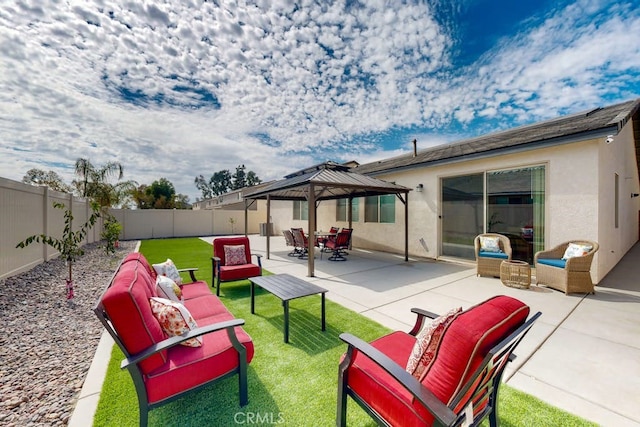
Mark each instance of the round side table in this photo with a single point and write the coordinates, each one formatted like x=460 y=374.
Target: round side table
x=515 y=274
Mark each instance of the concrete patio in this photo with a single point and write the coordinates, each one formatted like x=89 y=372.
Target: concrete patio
x=582 y=355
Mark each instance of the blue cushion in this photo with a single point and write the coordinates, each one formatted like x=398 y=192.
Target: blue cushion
x=487 y=254
x=554 y=262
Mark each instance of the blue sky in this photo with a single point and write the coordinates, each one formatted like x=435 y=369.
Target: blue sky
x=180 y=88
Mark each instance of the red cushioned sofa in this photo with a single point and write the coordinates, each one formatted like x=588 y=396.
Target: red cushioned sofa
x=460 y=387
x=222 y=271
x=161 y=369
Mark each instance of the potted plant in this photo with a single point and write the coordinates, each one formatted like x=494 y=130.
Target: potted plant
x=69 y=245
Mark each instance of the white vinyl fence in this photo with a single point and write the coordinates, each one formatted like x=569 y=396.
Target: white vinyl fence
x=26 y=210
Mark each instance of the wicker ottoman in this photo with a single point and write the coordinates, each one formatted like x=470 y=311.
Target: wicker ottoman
x=515 y=274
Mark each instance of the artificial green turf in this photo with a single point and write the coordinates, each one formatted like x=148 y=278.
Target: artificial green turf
x=289 y=384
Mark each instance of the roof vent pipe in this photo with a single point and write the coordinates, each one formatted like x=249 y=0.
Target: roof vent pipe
x=415 y=147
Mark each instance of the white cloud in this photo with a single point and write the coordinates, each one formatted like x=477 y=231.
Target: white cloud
x=180 y=88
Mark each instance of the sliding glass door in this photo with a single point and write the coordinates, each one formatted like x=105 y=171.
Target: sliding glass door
x=515 y=208
x=462 y=214
x=509 y=202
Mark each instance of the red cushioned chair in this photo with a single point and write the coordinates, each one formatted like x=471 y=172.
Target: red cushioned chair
x=302 y=242
x=339 y=245
x=223 y=272
x=461 y=384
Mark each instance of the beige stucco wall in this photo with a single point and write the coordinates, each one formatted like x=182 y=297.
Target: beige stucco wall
x=579 y=200
x=617 y=157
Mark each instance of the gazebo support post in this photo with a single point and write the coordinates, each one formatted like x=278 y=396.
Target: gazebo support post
x=406 y=228
x=311 y=202
x=268 y=234
x=246 y=217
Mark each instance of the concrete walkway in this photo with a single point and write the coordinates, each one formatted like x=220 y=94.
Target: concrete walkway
x=582 y=355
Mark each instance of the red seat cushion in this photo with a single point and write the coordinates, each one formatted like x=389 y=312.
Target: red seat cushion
x=379 y=389
x=189 y=367
x=206 y=306
x=237 y=272
x=195 y=289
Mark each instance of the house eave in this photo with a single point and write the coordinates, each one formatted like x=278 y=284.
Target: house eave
x=521 y=148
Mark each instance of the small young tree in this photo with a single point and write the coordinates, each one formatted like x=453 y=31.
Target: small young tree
x=69 y=245
x=111 y=233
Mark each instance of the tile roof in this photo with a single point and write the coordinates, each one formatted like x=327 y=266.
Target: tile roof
x=572 y=128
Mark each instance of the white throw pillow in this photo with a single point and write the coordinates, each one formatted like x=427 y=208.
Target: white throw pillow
x=490 y=244
x=575 y=250
x=167 y=288
x=169 y=269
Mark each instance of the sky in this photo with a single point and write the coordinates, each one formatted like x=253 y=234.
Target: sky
x=179 y=88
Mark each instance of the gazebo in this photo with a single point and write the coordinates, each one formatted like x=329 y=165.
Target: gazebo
x=327 y=181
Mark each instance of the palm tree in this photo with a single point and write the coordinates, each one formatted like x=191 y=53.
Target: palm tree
x=92 y=182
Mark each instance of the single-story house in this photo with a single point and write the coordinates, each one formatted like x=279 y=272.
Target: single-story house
x=574 y=177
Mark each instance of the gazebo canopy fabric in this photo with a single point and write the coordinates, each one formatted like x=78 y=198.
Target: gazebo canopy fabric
x=327 y=181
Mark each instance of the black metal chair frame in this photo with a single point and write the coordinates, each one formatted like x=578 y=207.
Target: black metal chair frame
x=487 y=376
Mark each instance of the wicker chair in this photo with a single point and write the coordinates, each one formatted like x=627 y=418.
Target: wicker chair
x=571 y=276
x=488 y=264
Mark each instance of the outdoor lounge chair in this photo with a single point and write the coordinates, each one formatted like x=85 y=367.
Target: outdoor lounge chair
x=571 y=274
x=491 y=249
x=458 y=386
x=231 y=260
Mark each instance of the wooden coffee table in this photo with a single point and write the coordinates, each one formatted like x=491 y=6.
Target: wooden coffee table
x=287 y=287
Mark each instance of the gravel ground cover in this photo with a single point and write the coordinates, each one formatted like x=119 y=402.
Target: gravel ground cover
x=47 y=343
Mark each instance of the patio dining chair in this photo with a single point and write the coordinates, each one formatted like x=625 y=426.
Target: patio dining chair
x=339 y=246
x=333 y=232
x=302 y=243
x=290 y=241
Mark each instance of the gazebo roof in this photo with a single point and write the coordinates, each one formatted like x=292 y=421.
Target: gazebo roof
x=330 y=180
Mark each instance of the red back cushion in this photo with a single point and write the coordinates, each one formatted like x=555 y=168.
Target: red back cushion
x=467 y=341
x=221 y=242
x=137 y=256
x=127 y=305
